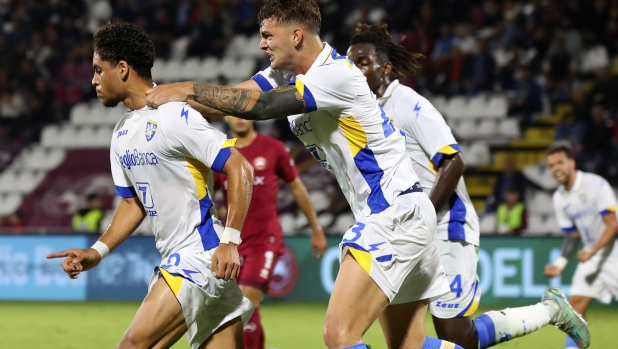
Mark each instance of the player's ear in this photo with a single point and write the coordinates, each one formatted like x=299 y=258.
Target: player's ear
x=387 y=69
x=298 y=38
x=123 y=70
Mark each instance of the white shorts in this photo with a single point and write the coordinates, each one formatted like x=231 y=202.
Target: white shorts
x=207 y=302
x=459 y=259
x=395 y=247
x=598 y=277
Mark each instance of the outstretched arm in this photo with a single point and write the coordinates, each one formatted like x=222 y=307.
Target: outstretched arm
x=244 y=103
x=127 y=217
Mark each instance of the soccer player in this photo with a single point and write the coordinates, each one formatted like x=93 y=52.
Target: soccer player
x=262 y=235
x=390 y=268
x=440 y=166
x=585 y=208
x=160 y=162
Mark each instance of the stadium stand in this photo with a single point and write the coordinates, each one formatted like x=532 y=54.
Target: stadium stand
x=475 y=74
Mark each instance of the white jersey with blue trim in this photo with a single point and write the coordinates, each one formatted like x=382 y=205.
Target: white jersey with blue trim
x=163 y=156
x=429 y=139
x=347 y=131
x=582 y=208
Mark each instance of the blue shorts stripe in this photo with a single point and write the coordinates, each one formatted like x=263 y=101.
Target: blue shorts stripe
x=476 y=289
x=125 y=192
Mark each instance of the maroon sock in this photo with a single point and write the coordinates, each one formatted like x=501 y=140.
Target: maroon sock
x=253 y=332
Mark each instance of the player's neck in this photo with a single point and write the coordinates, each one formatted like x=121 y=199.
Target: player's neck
x=243 y=141
x=386 y=82
x=571 y=182
x=136 y=96
x=312 y=49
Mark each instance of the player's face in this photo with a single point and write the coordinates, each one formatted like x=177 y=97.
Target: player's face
x=239 y=126
x=365 y=58
x=277 y=42
x=106 y=82
x=561 y=167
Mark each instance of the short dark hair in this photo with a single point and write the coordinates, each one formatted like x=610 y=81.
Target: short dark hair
x=92 y=196
x=115 y=42
x=404 y=62
x=560 y=147
x=304 y=12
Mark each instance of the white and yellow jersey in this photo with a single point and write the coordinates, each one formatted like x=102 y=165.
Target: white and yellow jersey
x=582 y=208
x=163 y=157
x=429 y=139
x=347 y=131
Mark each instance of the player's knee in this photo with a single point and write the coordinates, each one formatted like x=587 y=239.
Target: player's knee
x=460 y=332
x=131 y=342
x=337 y=336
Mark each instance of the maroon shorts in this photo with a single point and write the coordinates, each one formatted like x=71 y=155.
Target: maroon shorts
x=257 y=267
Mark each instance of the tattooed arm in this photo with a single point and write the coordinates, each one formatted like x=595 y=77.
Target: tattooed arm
x=250 y=104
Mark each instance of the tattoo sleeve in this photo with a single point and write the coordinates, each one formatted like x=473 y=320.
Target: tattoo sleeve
x=249 y=104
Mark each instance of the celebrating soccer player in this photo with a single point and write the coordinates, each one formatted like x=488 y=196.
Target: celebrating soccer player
x=160 y=162
x=440 y=167
x=390 y=268
x=262 y=236
x=585 y=208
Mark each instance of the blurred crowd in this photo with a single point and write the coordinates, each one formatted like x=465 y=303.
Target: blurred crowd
x=549 y=56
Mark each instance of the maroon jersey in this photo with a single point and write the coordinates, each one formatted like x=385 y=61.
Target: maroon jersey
x=271 y=162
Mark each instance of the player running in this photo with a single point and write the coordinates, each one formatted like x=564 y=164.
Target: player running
x=585 y=208
x=160 y=162
x=440 y=167
x=390 y=268
x=262 y=235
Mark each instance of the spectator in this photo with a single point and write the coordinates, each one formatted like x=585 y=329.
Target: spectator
x=573 y=125
x=510 y=178
x=597 y=142
x=444 y=45
x=161 y=33
x=483 y=68
x=604 y=92
x=88 y=220
x=464 y=41
x=511 y=217
x=525 y=99
x=559 y=70
x=595 y=55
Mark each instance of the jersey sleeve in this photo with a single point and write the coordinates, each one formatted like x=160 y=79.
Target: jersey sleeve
x=121 y=182
x=605 y=201
x=566 y=224
x=269 y=78
x=191 y=135
x=286 y=169
x=330 y=86
x=429 y=128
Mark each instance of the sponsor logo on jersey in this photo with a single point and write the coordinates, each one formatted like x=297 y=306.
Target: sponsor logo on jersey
x=446 y=305
x=301 y=128
x=319 y=154
x=259 y=163
x=122 y=133
x=129 y=160
x=151 y=129
x=285 y=275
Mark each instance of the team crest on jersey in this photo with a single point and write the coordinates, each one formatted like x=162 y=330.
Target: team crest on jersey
x=259 y=163
x=151 y=129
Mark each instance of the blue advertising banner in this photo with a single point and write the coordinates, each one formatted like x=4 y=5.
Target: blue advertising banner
x=25 y=273
x=124 y=274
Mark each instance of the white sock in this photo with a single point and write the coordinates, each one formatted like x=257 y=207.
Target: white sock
x=511 y=323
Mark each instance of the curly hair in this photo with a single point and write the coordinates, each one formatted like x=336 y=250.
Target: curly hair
x=304 y=12
x=404 y=62
x=115 y=42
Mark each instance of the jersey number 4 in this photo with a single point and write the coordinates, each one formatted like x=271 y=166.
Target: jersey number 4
x=456 y=285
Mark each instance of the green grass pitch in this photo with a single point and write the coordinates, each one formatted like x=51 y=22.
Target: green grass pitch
x=96 y=325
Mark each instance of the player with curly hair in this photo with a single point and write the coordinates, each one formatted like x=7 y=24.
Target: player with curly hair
x=440 y=166
x=161 y=159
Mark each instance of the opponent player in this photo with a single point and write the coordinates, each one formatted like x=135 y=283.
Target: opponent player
x=585 y=208
x=389 y=265
x=440 y=167
x=160 y=162
x=262 y=236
